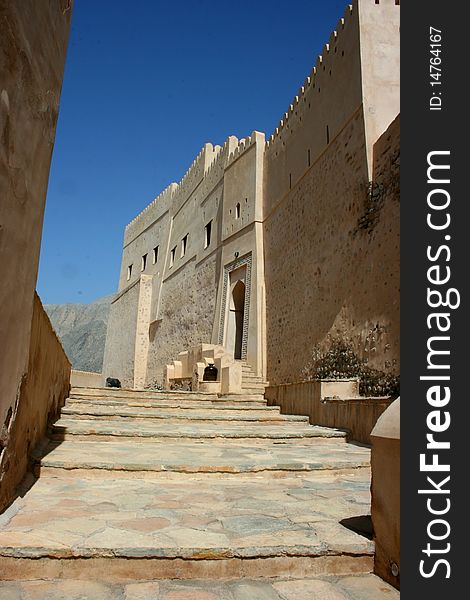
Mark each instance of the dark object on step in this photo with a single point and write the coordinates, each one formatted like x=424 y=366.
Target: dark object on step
x=210 y=373
x=113 y=382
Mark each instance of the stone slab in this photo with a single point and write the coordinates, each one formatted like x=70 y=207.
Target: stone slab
x=194 y=519
x=359 y=587
x=198 y=431
x=169 y=414
x=219 y=405
x=193 y=457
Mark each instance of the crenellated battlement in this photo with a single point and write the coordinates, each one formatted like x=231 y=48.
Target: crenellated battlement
x=311 y=80
x=195 y=172
x=243 y=145
x=329 y=95
x=215 y=170
x=255 y=224
x=161 y=203
x=207 y=169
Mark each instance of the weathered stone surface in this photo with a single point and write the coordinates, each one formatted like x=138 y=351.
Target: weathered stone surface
x=170 y=415
x=241 y=517
x=362 y=587
x=191 y=457
x=206 y=513
x=309 y=590
x=142 y=591
x=34 y=371
x=68 y=427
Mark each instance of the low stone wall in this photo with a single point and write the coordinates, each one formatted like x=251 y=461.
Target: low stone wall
x=357 y=415
x=43 y=391
x=385 y=490
x=86 y=379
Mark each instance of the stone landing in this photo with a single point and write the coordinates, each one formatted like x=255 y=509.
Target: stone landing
x=243 y=506
x=358 y=587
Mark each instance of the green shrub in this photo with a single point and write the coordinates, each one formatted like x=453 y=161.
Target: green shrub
x=341 y=362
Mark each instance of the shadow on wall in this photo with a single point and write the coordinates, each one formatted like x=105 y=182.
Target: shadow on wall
x=340 y=361
x=43 y=391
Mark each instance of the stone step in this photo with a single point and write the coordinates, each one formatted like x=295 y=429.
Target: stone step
x=346 y=587
x=253 y=390
x=196 y=528
x=95 y=459
x=257 y=396
x=217 y=405
x=69 y=428
x=248 y=382
x=149 y=394
x=252 y=400
x=252 y=377
x=176 y=414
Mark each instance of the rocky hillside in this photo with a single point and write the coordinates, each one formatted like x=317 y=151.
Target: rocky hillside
x=82 y=330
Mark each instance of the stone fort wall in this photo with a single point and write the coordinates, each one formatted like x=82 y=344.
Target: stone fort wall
x=303 y=195
x=335 y=276
x=34 y=371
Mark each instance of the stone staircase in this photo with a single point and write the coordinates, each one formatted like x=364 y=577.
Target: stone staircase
x=189 y=496
x=251 y=384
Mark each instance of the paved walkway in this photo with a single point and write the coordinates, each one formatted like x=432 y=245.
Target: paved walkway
x=359 y=587
x=139 y=486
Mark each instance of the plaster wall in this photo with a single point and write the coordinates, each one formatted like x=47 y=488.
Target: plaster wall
x=186 y=280
x=385 y=491
x=380 y=67
x=329 y=96
x=359 y=65
x=33 y=43
x=186 y=314
x=85 y=379
x=357 y=415
x=119 y=353
x=335 y=274
x=43 y=391
x=153 y=236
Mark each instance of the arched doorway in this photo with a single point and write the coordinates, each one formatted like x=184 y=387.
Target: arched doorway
x=236 y=313
x=238 y=301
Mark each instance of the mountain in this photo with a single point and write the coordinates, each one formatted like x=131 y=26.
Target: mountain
x=82 y=331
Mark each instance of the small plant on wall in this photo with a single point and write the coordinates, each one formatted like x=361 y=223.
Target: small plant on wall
x=340 y=361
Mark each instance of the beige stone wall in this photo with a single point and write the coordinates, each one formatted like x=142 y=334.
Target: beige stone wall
x=336 y=273
x=33 y=43
x=329 y=96
x=43 y=391
x=86 y=379
x=153 y=232
x=184 y=306
x=186 y=314
x=357 y=415
x=298 y=207
x=385 y=491
x=119 y=351
x=380 y=61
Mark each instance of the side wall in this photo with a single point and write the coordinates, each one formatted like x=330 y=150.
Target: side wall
x=186 y=314
x=44 y=389
x=33 y=43
x=119 y=351
x=357 y=415
x=34 y=371
x=336 y=274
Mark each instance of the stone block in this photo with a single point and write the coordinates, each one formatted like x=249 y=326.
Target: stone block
x=385 y=461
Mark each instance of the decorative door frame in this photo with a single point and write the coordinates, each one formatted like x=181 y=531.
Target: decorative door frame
x=243 y=261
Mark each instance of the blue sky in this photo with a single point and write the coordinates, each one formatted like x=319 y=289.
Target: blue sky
x=146 y=84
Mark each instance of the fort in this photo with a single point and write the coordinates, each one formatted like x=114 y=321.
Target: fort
x=276 y=260
x=268 y=250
